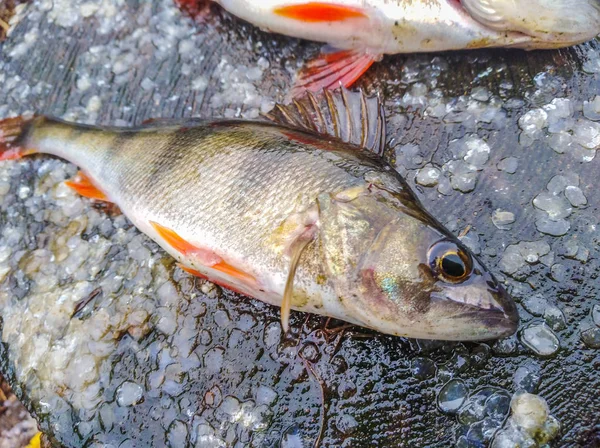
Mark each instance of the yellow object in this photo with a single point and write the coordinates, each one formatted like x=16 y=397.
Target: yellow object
x=35 y=441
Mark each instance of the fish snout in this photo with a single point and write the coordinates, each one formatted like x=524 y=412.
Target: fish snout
x=479 y=309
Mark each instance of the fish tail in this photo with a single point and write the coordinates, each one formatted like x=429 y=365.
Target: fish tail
x=12 y=133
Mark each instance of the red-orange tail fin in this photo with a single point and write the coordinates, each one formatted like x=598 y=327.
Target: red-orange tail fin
x=11 y=131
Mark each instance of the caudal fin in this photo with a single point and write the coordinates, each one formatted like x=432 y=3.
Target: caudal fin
x=11 y=131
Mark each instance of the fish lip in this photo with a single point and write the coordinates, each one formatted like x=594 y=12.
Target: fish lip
x=498 y=323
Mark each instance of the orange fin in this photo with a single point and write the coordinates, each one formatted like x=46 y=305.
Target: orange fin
x=11 y=129
x=191 y=271
x=216 y=282
x=84 y=186
x=320 y=12
x=204 y=256
x=332 y=69
x=234 y=272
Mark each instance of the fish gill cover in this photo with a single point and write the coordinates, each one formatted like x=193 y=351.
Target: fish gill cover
x=500 y=143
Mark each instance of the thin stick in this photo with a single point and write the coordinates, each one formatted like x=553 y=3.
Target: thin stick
x=465 y=231
x=322 y=387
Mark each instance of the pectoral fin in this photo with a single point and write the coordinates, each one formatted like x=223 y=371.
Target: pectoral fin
x=288 y=293
x=333 y=68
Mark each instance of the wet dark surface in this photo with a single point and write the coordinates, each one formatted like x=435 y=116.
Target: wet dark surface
x=226 y=376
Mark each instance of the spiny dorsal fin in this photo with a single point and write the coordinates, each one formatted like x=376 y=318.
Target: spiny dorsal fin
x=349 y=116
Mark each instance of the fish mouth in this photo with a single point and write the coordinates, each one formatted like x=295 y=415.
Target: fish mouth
x=495 y=324
x=480 y=311
x=561 y=23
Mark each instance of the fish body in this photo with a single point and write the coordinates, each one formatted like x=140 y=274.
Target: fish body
x=359 y=32
x=407 y=26
x=261 y=208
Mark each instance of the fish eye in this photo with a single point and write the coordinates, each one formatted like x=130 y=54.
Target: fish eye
x=448 y=261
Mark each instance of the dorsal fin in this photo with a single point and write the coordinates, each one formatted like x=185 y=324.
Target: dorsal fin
x=349 y=116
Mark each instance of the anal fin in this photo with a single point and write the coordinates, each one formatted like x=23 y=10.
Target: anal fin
x=84 y=186
x=331 y=69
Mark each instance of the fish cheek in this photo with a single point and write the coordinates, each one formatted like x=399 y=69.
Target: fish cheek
x=390 y=296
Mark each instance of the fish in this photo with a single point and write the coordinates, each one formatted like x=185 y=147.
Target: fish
x=359 y=32
x=298 y=210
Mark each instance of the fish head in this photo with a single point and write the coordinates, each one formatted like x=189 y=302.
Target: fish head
x=398 y=271
x=540 y=23
x=419 y=281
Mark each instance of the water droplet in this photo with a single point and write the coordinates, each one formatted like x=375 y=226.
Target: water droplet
x=346 y=389
x=527 y=377
x=591 y=337
x=591 y=109
x=265 y=395
x=552 y=228
x=596 y=314
x=213 y=360
x=292 y=438
x=452 y=396
x=428 y=176
x=503 y=219
x=529 y=411
x=177 y=434
x=423 y=368
x=535 y=304
x=575 y=196
x=555 y=318
x=497 y=406
x=509 y=165
x=540 y=339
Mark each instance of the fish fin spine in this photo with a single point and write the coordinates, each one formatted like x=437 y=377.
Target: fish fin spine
x=330 y=70
x=85 y=187
x=312 y=12
x=12 y=131
x=349 y=116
